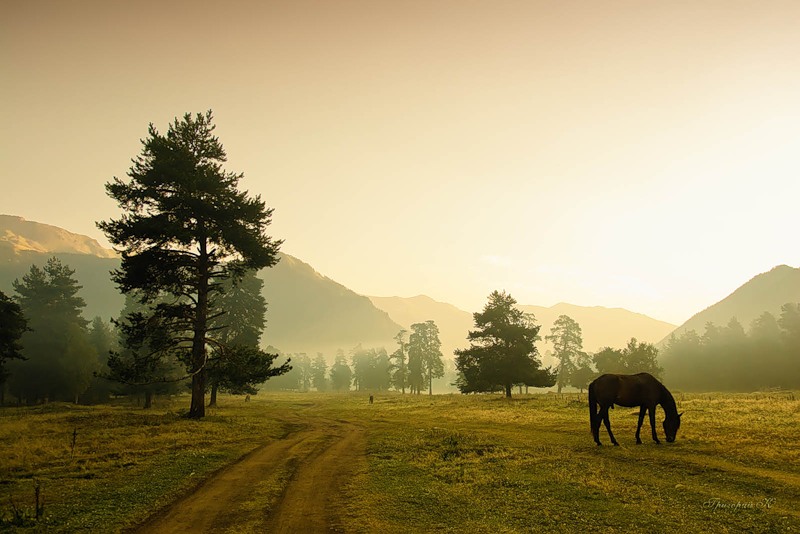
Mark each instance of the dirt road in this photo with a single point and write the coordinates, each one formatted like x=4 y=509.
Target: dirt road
x=289 y=485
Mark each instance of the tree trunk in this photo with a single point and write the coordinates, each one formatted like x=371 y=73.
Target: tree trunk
x=148 y=400
x=197 y=410
x=508 y=391
x=430 y=384
x=212 y=402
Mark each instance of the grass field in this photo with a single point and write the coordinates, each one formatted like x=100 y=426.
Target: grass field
x=445 y=463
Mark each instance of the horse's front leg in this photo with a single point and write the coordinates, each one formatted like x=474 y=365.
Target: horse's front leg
x=608 y=425
x=642 y=410
x=652 y=410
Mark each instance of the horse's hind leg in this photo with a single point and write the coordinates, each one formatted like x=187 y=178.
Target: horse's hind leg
x=595 y=424
x=652 y=410
x=642 y=410
x=607 y=422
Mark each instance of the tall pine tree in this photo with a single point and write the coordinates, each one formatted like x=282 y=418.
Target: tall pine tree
x=185 y=228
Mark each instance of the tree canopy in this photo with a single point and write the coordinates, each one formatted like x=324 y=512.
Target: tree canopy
x=185 y=228
x=573 y=362
x=237 y=364
x=424 y=356
x=636 y=357
x=60 y=358
x=502 y=350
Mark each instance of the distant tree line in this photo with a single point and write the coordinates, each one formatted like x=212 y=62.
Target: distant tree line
x=728 y=358
x=413 y=366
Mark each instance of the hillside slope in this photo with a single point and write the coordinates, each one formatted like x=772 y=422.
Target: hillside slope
x=765 y=292
x=307 y=312
x=310 y=312
x=453 y=322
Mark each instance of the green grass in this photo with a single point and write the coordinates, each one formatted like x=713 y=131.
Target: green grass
x=448 y=463
x=126 y=463
x=485 y=464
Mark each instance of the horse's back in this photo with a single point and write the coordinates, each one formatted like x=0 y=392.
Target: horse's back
x=625 y=390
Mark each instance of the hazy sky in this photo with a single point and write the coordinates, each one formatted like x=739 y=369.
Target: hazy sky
x=636 y=154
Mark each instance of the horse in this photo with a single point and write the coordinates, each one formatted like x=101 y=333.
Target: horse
x=641 y=390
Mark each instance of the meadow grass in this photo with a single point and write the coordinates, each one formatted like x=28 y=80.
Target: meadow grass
x=446 y=463
x=126 y=462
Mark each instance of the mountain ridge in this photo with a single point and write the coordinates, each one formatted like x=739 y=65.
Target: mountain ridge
x=306 y=311
x=21 y=235
x=764 y=292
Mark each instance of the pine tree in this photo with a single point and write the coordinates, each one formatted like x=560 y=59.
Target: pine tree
x=319 y=372
x=185 y=228
x=61 y=360
x=567 y=340
x=399 y=362
x=237 y=365
x=341 y=374
x=12 y=325
x=502 y=350
x=425 y=348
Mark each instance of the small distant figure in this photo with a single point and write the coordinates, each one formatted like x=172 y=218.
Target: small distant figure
x=247 y=398
x=371 y=399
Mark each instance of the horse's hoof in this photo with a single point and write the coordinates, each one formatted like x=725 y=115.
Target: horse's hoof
x=638 y=442
x=616 y=444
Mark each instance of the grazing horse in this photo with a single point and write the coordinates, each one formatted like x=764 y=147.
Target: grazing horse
x=641 y=390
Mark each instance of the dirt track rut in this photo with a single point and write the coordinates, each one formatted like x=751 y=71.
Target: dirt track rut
x=314 y=462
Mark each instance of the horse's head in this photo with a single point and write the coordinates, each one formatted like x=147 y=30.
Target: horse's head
x=671 y=426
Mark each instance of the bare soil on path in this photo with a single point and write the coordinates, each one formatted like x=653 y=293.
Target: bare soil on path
x=286 y=486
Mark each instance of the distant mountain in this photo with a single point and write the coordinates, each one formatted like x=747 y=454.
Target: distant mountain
x=453 y=322
x=306 y=311
x=99 y=292
x=600 y=326
x=310 y=312
x=18 y=235
x=766 y=292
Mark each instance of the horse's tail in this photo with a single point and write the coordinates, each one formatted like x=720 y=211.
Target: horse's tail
x=592 y=407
